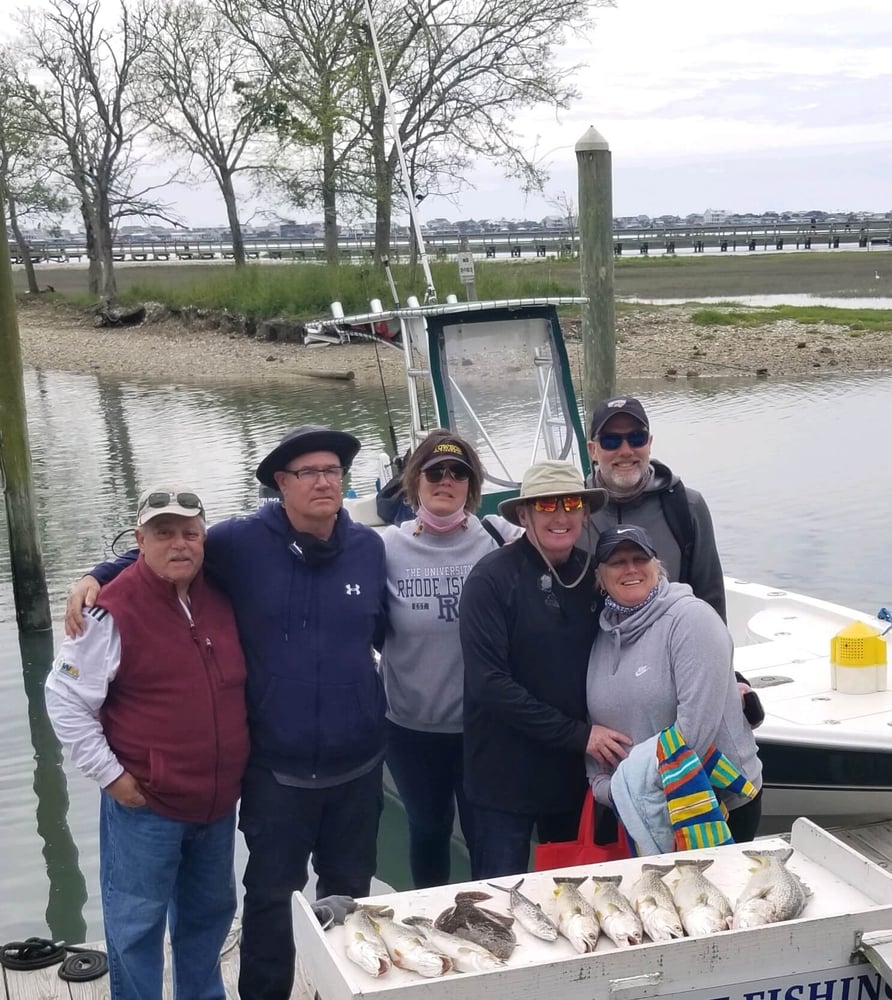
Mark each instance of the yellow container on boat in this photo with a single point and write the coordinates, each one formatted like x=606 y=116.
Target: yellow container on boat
x=858 y=660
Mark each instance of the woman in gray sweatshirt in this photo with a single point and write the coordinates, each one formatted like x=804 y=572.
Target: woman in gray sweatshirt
x=663 y=657
x=428 y=559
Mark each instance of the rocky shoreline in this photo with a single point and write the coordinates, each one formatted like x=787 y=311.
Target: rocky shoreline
x=652 y=343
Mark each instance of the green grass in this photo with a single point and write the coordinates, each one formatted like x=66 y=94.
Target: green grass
x=306 y=290
x=858 y=320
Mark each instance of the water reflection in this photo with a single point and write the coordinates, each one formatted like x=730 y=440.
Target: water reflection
x=793 y=472
x=67 y=887
x=782 y=299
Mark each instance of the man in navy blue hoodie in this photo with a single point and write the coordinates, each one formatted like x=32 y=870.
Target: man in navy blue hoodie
x=308 y=588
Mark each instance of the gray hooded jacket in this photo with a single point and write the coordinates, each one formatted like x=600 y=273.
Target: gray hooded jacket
x=704 y=572
x=670 y=662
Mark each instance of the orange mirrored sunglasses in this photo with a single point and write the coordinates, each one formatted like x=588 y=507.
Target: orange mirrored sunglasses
x=548 y=505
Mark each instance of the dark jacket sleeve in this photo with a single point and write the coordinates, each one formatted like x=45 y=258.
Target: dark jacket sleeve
x=484 y=627
x=706 y=577
x=106 y=571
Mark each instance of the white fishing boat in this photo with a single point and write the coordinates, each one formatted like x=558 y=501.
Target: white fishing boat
x=837 y=949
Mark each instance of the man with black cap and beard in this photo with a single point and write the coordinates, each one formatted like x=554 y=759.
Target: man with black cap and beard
x=308 y=588
x=645 y=492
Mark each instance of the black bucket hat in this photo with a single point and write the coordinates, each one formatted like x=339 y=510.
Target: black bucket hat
x=301 y=440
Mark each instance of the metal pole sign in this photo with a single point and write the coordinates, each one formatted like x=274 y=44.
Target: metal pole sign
x=466 y=273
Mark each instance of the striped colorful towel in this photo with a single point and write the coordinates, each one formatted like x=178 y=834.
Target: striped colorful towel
x=697 y=817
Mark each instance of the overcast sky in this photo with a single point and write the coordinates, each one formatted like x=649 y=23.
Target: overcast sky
x=741 y=106
x=767 y=104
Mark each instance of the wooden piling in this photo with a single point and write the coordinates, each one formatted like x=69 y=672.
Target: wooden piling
x=593 y=162
x=28 y=579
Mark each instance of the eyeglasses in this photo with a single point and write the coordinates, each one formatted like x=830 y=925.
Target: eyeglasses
x=460 y=473
x=156 y=501
x=549 y=505
x=634 y=439
x=331 y=473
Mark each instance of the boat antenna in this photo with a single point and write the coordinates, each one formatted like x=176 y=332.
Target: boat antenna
x=430 y=293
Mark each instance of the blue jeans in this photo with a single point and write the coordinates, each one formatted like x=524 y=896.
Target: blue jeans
x=283 y=827
x=153 y=871
x=427 y=770
x=502 y=840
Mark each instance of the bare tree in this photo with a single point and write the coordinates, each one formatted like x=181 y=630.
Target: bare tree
x=32 y=190
x=83 y=101
x=189 y=95
x=461 y=72
x=565 y=204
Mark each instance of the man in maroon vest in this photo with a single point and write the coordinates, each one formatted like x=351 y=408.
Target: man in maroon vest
x=150 y=703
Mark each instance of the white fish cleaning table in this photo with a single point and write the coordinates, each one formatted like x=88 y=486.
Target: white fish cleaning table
x=814 y=957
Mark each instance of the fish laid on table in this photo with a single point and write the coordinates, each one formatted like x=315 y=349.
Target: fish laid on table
x=575 y=916
x=363 y=942
x=652 y=901
x=704 y=908
x=772 y=894
x=467 y=956
x=475 y=923
x=408 y=948
x=614 y=912
x=529 y=915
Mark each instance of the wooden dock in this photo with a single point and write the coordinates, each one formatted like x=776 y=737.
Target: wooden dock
x=874 y=841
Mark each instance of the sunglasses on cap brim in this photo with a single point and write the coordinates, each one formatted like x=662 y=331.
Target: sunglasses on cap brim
x=158 y=501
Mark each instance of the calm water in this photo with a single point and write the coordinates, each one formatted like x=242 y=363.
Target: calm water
x=795 y=472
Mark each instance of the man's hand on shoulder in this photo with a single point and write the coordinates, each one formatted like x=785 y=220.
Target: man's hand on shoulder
x=126 y=791
x=82 y=594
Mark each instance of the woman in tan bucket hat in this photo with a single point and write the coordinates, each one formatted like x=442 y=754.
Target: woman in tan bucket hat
x=527 y=621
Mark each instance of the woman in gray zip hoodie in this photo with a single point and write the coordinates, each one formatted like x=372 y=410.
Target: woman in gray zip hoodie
x=664 y=657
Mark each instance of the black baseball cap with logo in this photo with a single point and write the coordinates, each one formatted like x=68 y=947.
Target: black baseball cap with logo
x=611 y=539
x=609 y=408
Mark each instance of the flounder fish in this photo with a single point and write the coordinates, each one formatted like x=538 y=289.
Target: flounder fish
x=475 y=923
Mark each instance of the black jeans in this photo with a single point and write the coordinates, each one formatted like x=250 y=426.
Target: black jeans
x=427 y=771
x=284 y=827
x=502 y=840
x=743 y=822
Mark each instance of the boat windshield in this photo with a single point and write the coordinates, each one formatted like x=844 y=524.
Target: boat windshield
x=502 y=381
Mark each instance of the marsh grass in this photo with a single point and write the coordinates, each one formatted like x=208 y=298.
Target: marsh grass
x=859 y=321
x=307 y=290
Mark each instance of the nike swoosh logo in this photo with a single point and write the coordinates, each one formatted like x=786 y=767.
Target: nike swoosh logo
x=622 y=531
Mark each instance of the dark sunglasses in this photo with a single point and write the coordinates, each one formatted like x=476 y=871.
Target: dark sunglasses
x=549 y=505
x=158 y=500
x=634 y=439
x=460 y=473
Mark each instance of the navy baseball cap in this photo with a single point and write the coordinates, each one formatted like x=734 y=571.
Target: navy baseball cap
x=609 y=541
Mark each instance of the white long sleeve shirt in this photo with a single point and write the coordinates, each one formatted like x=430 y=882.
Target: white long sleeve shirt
x=76 y=690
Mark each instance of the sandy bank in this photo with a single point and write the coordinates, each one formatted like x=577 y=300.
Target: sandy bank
x=652 y=343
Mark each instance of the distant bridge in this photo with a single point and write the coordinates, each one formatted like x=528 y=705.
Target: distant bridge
x=545 y=243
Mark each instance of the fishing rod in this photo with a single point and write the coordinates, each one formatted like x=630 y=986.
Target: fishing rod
x=430 y=293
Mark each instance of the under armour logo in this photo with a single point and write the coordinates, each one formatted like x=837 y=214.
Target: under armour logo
x=352 y=589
